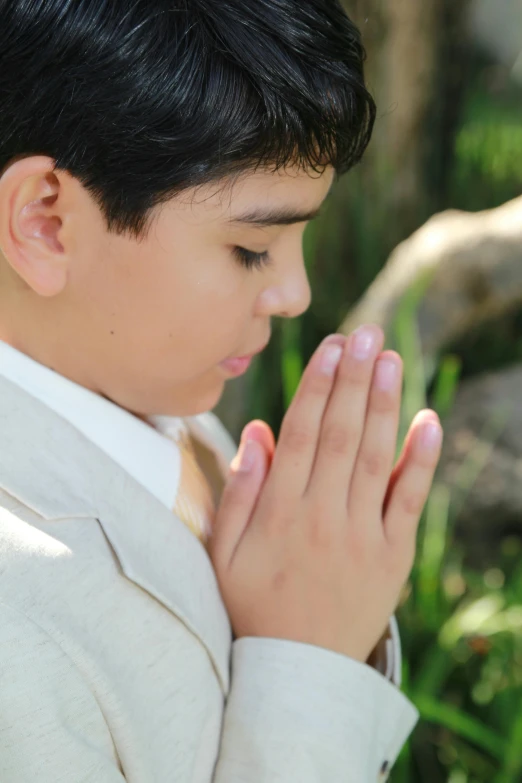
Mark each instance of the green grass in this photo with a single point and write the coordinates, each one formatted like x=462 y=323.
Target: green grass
x=461 y=629
x=488 y=152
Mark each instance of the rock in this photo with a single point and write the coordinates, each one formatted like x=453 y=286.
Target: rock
x=485 y=426
x=467 y=268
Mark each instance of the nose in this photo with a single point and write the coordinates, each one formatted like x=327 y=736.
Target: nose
x=289 y=297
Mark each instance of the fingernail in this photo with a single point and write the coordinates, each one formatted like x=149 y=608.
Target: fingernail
x=248 y=456
x=431 y=436
x=330 y=358
x=362 y=343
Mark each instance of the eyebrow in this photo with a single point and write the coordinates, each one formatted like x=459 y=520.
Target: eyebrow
x=280 y=216
x=276 y=216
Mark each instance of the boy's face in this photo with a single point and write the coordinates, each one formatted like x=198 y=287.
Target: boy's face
x=148 y=323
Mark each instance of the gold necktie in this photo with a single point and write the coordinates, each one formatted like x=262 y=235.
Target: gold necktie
x=194 y=504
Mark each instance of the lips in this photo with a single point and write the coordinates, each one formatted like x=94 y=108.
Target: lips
x=236 y=366
x=240 y=364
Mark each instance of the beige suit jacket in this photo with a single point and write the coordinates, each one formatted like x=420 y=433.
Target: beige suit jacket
x=116 y=656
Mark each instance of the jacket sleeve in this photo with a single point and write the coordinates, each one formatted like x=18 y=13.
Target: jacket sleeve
x=298 y=712
x=294 y=712
x=51 y=727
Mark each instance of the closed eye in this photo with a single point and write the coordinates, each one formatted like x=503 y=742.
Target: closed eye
x=251 y=260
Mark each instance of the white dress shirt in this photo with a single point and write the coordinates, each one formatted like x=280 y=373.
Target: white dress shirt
x=144 y=452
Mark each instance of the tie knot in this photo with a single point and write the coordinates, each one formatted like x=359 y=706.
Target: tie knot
x=194 y=500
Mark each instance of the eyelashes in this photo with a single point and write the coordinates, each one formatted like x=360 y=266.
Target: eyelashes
x=251 y=260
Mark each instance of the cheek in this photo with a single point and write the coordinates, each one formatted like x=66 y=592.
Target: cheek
x=209 y=322
x=198 y=318
x=138 y=285
x=193 y=307
x=205 y=293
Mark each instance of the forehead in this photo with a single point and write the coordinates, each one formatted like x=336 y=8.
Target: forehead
x=261 y=197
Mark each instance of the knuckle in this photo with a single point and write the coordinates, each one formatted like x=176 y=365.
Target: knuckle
x=278 y=525
x=296 y=437
x=383 y=401
x=279 y=580
x=319 y=534
x=412 y=502
x=355 y=376
x=373 y=463
x=318 y=384
x=321 y=528
x=336 y=439
x=360 y=545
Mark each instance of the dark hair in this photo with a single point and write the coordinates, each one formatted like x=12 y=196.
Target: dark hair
x=141 y=99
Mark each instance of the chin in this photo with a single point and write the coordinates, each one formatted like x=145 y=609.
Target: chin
x=197 y=403
x=178 y=401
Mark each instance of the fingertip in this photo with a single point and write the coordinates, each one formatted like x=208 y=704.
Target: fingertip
x=335 y=339
x=261 y=432
x=250 y=455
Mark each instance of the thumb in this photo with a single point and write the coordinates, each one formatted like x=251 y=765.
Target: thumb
x=260 y=431
x=246 y=479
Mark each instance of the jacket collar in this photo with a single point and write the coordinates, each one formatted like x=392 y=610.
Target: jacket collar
x=52 y=468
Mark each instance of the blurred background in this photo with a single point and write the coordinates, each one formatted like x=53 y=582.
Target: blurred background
x=425 y=238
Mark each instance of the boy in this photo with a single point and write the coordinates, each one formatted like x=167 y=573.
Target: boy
x=163 y=618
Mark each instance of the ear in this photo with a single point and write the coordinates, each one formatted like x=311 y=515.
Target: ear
x=32 y=216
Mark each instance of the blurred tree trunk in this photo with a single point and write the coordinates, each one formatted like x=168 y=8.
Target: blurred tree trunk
x=419 y=56
x=404 y=39
x=403 y=72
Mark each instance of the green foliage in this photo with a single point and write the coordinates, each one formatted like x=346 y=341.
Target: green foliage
x=488 y=152
x=493 y=149
x=462 y=630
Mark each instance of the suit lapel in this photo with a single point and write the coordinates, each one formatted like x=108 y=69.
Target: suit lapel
x=51 y=467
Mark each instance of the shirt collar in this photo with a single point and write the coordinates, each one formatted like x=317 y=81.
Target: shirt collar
x=143 y=451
